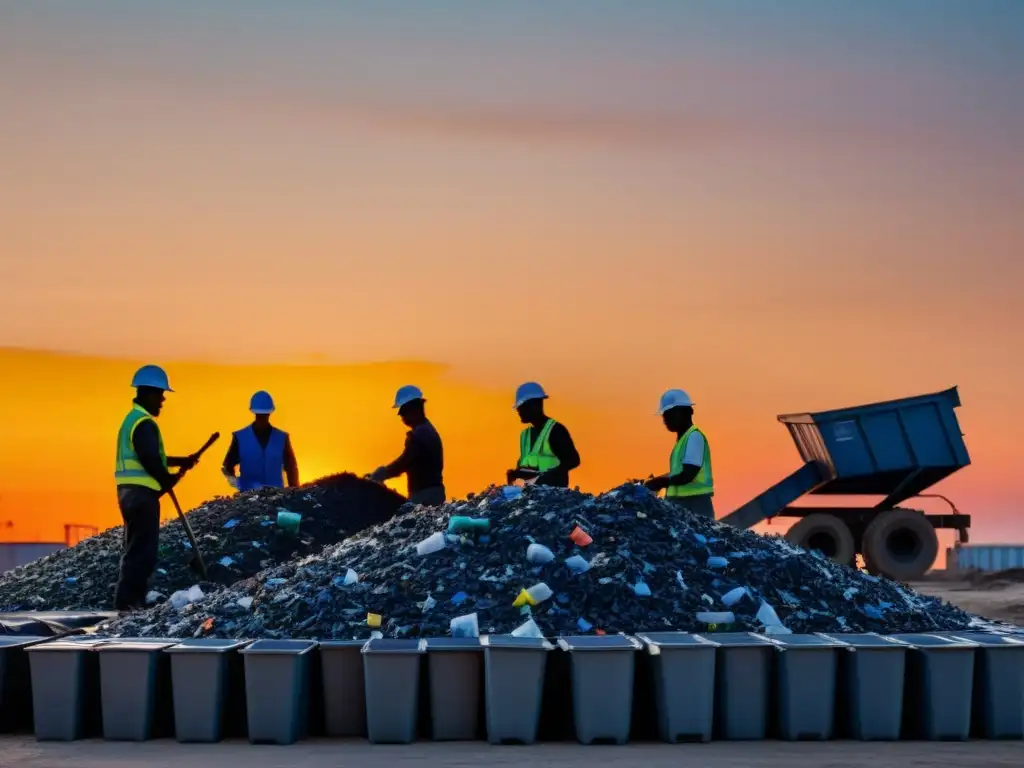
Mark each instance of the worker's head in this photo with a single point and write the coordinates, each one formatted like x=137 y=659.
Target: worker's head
x=150 y=383
x=413 y=412
x=261 y=405
x=150 y=398
x=529 y=403
x=676 y=410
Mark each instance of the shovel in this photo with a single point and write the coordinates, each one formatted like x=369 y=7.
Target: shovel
x=196 y=563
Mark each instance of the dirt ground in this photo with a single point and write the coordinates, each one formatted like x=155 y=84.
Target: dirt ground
x=25 y=753
x=994 y=596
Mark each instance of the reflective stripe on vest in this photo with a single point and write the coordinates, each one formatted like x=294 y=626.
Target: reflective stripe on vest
x=259 y=466
x=127 y=469
x=703 y=483
x=539 y=456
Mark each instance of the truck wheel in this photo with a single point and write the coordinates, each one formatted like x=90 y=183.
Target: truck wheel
x=825 y=533
x=901 y=544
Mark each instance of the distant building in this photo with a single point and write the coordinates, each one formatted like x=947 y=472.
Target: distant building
x=15 y=554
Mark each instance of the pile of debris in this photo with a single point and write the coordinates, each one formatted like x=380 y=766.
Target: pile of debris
x=549 y=561
x=239 y=536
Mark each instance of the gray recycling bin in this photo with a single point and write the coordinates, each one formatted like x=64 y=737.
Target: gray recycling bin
x=200 y=675
x=805 y=683
x=341 y=670
x=65 y=688
x=870 y=682
x=603 y=667
x=134 y=685
x=391 y=673
x=15 y=685
x=684 y=684
x=277 y=690
x=998 y=705
x=742 y=685
x=938 y=687
x=513 y=686
x=456 y=673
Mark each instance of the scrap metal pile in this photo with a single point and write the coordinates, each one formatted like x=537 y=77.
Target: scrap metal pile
x=543 y=561
x=239 y=537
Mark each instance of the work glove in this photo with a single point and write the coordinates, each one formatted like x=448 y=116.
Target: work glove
x=232 y=480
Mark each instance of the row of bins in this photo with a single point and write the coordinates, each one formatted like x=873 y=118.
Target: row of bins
x=674 y=686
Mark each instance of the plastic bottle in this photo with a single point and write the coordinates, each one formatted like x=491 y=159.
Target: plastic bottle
x=433 y=543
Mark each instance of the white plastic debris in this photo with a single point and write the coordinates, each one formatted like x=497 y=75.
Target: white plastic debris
x=538 y=554
x=577 y=564
x=681 y=581
x=428 y=604
x=733 y=596
x=152 y=596
x=351 y=577
x=465 y=626
x=539 y=592
x=716 y=617
x=195 y=594
x=433 y=543
x=767 y=616
x=528 y=629
x=245 y=602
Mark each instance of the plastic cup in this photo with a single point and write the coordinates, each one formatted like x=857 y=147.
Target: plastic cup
x=288 y=521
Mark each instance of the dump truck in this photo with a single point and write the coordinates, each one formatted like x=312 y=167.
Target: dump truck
x=897 y=450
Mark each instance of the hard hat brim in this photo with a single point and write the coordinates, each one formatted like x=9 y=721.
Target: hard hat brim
x=410 y=400
x=528 y=399
x=261 y=411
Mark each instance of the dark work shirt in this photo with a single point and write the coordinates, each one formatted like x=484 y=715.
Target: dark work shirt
x=422 y=460
x=146 y=443
x=565 y=451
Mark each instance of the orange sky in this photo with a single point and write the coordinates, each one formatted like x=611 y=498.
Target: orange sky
x=778 y=208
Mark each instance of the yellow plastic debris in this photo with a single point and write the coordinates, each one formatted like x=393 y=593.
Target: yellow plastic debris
x=523 y=599
x=373 y=619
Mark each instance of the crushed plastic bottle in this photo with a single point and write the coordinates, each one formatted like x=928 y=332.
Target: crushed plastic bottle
x=577 y=564
x=538 y=554
x=433 y=543
x=539 y=592
x=733 y=596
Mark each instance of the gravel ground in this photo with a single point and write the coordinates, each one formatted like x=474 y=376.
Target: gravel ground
x=26 y=753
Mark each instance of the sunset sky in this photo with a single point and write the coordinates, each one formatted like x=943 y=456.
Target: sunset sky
x=779 y=207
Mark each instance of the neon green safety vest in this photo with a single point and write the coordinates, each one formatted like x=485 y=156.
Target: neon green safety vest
x=539 y=455
x=703 y=483
x=127 y=469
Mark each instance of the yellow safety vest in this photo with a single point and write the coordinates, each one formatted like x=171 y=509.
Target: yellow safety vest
x=127 y=469
x=703 y=484
x=539 y=455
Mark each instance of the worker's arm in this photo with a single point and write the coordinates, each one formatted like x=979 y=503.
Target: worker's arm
x=401 y=464
x=146 y=443
x=565 y=451
x=185 y=462
x=693 y=460
x=231 y=458
x=291 y=466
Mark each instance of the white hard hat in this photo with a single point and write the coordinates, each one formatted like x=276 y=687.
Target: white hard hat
x=531 y=390
x=261 y=402
x=407 y=394
x=673 y=398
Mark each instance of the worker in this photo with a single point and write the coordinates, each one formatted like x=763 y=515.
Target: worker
x=547 y=453
x=689 y=482
x=142 y=478
x=422 y=461
x=262 y=452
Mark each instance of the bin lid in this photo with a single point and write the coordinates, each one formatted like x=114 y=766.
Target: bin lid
x=68 y=644
x=18 y=641
x=617 y=642
x=150 y=644
x=207 y=645
x=326 y=645
x=987 y=639
x=807 y=641
x=656 y=640
x=870 y=640
x=516 y=643
x=394 y=645
x=453 y=644
x=742 y=640
x=280 y=647
x=935 y=642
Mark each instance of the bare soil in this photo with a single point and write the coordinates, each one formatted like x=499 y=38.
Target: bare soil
x=992 y=595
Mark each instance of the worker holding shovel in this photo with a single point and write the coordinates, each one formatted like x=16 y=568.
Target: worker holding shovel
x=142 y=478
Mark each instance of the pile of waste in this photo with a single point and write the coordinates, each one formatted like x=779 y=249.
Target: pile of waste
x=549 y=561
x=239 y=536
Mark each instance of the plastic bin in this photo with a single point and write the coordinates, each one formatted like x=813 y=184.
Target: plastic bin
x=683 y=666
x=341 y=669
x=65 y=678
x=742 y=685
x=513 y=686
x=456 y=667
x=15 y=683
x=602 y=685
x=201 y=671
x=135 y=689
x=869 y=704
x=277 y=690
x=998 y=702
x=806 y=686
x=391 y=672
x=938 y=688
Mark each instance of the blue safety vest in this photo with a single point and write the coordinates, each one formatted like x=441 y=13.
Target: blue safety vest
x=259 y=466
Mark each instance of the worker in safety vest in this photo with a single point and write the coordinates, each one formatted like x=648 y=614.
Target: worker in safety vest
x=547 y=453
x=262 y=452
x=142 y=478
x=422 y=461
x=689 y=481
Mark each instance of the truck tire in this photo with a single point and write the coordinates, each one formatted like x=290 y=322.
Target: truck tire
x=900 y=544
x=826 y=533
